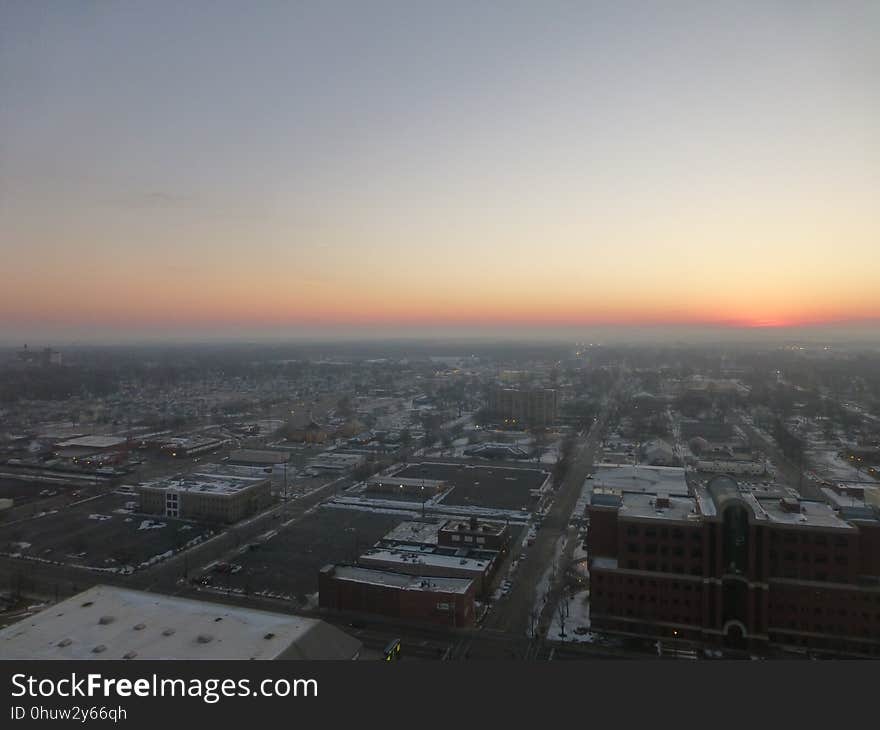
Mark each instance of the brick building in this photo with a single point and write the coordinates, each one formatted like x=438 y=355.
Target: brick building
x=439 y=600
x=729 y=565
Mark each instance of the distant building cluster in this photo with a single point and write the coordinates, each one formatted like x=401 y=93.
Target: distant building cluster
x=535 y=408
x=420 y=571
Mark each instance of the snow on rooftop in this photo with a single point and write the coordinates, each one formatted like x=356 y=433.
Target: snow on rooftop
x=213 y=483
x=408 y=557
x=401 y=580
x=92 y=442
x=139 y=625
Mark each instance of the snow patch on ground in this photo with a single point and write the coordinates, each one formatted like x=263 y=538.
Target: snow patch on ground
x=574 y=621
x=150 y=525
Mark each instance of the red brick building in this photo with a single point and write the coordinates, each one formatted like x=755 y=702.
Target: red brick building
x=738 y=567
x=447 y=601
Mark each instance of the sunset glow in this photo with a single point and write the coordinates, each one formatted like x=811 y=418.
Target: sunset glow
x=597 y=166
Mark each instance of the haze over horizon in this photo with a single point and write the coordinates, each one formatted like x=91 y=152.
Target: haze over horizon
x=204 y=170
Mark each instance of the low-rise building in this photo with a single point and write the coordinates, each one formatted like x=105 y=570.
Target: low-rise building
x=215 y=497
x=440 y=600
x=406 y=485
x=431 y=563
x=117 y=623
x=474 y=533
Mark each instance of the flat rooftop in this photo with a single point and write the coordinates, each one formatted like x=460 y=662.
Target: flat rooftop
x=211 y=483
x=408 y=557
x=393 y=481
x=421 y=533
x=92 y=442
x=464 y=525
x=642 y=479
x=118 y=623
x=811 y=514
x=401 y=581
x=680 y=509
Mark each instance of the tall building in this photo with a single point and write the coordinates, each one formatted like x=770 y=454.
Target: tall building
x=734 y=566
x=523 y=407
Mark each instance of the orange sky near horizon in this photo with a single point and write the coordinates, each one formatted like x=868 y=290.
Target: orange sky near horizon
x=614 y=164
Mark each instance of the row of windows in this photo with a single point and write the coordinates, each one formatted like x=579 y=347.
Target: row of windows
x=652 y=549
x=664 y=533
x=791 y=556
x=808 y=538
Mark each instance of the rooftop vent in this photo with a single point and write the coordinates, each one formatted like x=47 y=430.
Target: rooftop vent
x=129 y=655
x=65 y=642
x=140 y=627
x=168 y=632
x=99 y=649
x=88 y=603
x=268 y=636
x=105 y=620
x=662 y=501
x=789 y=504
x=204 y=638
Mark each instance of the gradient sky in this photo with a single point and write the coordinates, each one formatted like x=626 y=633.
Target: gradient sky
x=292 y=168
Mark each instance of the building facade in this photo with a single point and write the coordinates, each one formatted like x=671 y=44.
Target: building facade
x=730 y=566
x=524 y=407
x=437 y=600
x=211 y=497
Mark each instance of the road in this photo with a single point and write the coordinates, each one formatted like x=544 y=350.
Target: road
x=793 y=475
x=514 y=614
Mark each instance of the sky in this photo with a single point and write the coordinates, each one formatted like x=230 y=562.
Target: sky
x=232 y=169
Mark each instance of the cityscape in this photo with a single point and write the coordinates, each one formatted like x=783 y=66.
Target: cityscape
x=440 y=332
x=469 y=501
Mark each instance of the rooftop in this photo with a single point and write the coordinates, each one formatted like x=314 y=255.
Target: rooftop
x=642 y=479
x=423 y=533
x=408 y=557
x=117 y=623
x=92 y=442
x=401 y=581
x=649 y=506
x=214 y=483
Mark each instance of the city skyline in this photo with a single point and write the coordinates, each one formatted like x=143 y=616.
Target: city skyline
x=397 y=170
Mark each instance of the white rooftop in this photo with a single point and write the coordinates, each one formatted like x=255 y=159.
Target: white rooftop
x=423 y=533
x=212 y=483
x=644 y=479
x=401 y=580
x=408 y=557
x=92 y=442
x=116 y=623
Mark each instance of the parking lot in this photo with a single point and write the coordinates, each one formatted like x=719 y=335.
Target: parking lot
x=287 y=563
x=496 y=486
x=103 y=533
x=24 y=491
